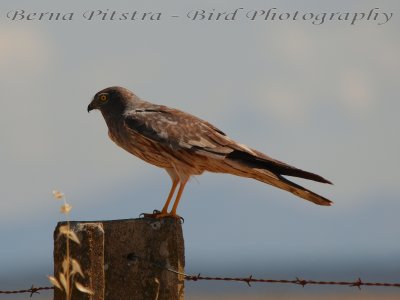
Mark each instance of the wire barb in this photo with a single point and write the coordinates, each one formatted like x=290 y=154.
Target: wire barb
x=358 y=283
x=302 y=282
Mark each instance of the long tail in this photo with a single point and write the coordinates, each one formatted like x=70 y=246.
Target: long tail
x=287 y=185
x=270 y=171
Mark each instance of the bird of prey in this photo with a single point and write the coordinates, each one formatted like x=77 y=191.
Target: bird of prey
x=185 y=145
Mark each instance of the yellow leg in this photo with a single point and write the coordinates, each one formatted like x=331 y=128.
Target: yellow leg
x=171 y=193
x=178 y=197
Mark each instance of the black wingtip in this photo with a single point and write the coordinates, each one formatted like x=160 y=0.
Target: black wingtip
x=291 y=171
x=320 y=179
x=274 y=166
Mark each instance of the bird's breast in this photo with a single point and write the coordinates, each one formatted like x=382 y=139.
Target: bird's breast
x=139 y=146
x=156 y=153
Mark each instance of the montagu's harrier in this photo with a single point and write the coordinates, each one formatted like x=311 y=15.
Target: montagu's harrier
x=185 y=145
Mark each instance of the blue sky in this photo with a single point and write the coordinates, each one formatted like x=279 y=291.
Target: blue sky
x=323 y=98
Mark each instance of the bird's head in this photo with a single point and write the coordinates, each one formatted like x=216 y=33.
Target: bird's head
x=111 y=99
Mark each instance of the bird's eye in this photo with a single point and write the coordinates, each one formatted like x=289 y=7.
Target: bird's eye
x=103 y=97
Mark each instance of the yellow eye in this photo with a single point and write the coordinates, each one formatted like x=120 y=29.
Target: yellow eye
x=103 y=97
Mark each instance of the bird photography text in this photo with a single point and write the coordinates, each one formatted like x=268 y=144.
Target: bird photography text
x=273 y=15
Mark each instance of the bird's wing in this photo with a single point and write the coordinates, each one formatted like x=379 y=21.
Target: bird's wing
x=182 y=131
x=178 y=130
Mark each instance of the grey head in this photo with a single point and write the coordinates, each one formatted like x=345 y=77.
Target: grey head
x=112 y=100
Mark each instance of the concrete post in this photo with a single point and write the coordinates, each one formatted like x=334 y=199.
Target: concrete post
x=125 y=259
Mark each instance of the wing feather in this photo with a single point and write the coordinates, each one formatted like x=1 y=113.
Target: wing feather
x=178 y=130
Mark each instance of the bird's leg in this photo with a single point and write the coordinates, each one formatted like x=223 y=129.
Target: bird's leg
x=178 y=197
x=164 y=211
x=171 y=193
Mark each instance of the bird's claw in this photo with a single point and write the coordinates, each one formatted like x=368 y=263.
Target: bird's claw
x=146 y=215
x=161 y=215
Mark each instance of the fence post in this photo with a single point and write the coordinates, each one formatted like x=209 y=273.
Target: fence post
x=125 y=259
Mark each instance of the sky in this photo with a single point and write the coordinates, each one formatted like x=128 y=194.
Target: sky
x=320 y=97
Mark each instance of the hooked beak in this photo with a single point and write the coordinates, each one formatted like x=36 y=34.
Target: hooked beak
x=91 y=106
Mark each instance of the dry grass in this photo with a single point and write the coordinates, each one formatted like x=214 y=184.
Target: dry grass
x=66 y=280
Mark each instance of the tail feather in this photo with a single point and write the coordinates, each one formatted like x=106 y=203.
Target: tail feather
x=306 y=194
x=287 y=185
x=270 y=171
x=275 y=166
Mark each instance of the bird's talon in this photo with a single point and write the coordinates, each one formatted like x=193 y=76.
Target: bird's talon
x=160 y=215
x=152 y=216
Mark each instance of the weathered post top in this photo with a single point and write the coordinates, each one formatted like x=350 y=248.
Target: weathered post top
x=125 y=259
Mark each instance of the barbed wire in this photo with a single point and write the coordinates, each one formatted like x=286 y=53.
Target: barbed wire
x=31 y=291
x=248 y=280
x=303 y=282
x=298 y=281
